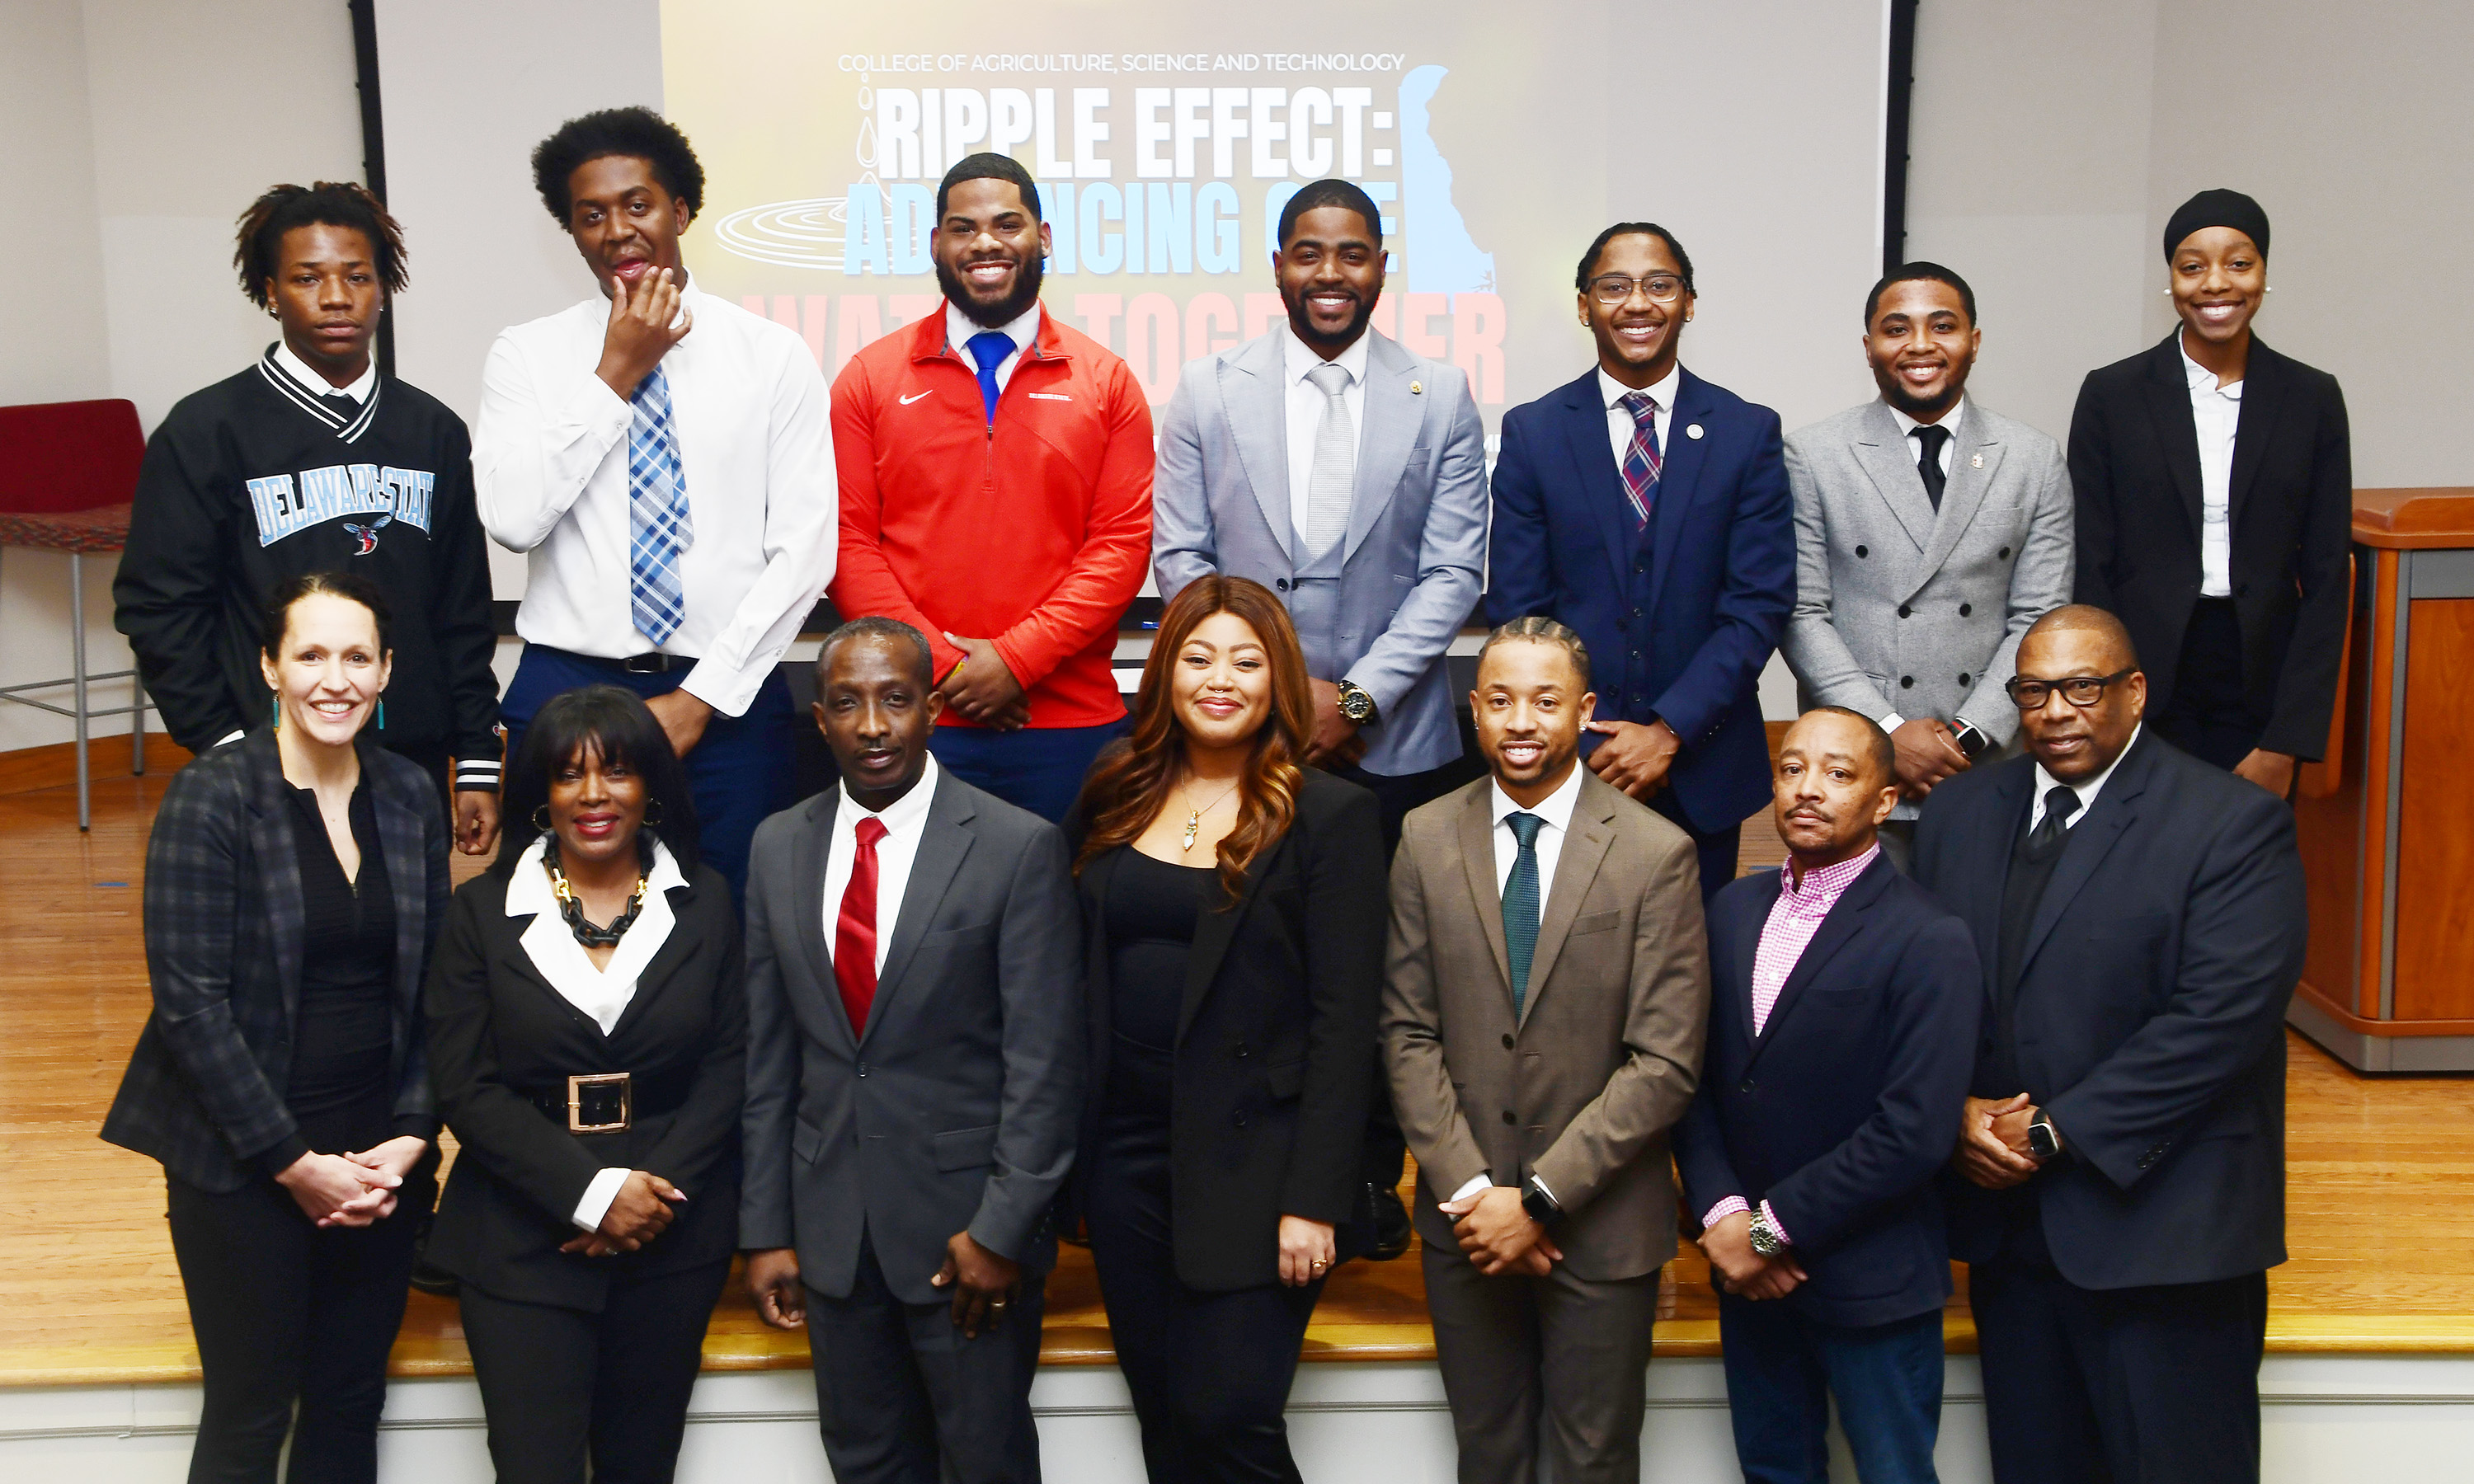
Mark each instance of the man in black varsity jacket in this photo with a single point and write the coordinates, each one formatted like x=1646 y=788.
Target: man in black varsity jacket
x=311 y=460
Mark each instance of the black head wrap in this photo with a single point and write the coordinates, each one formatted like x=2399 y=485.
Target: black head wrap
x=2216 y=209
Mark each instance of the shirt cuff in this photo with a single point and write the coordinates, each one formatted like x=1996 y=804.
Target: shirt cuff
x=597 y=1197
x=1476 y=1183
x=283 y=1156
x=715 y=684
x=234 y=735
x=1775 y=1224
x=1725 y=1208
x=476 y=774
x=1892 y=722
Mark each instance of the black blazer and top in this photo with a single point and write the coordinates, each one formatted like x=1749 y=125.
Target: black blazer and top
x=1274 y=1028
x=504 y=1044
x=2149 y=1016
x=224 y=927
x=2134 y=459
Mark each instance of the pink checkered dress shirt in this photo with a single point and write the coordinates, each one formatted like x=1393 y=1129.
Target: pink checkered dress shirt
x=1794 y=918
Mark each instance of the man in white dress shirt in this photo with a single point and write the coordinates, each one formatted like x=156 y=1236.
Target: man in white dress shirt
x=914 y=1081
x=665 y=457
x=1929 y=531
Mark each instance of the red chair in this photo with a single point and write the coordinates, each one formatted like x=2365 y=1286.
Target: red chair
x=68 y=471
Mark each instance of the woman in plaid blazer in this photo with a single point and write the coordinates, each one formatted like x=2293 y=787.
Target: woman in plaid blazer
x=295 y=882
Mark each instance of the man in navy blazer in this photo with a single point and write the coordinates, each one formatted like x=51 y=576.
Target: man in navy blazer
x=1649 y=510
x=1843 y=1011
x=2140 y=918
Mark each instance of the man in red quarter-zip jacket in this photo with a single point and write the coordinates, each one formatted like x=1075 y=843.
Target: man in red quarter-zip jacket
x=996 y=489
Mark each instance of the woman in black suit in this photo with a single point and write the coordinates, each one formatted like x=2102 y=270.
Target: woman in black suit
x=294 y=880
x=587 y=1031
x=1235 y=909
x=2214 y=486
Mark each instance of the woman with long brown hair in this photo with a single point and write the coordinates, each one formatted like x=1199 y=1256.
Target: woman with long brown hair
x=1233 y=904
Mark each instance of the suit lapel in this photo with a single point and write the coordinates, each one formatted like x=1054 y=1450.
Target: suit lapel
x=1477 y=861
x=1393 y=415
x=1995 y=829
x=1963 y=494
x=1586 y=844
x=943 y=844
x=663 y=967
x=271 y=840
x=2168 y=386
x=1744 y=943
x=807 y=898
x=1215 y=926
x=1846 y=919
x=1253 y=387
x=1679 y=478
x=1602 y=487
x=2088 y=843
x=1882 y=450
x=2262 y=390
x=409 y=883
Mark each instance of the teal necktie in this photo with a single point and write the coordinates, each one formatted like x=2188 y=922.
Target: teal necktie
x=1521 y=905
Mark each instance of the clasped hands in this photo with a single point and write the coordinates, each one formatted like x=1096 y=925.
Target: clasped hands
x=642 y=1211
x=352 y=1189
x=1738 y=1270
x=983 y=689
x=1992 y=1151
x=1498 y=1234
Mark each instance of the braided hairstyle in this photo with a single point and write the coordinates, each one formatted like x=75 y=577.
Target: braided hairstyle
x=327 y=203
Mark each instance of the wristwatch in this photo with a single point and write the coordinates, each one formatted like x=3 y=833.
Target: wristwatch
x=2042 y=1142
x=1539 y=1203
x=1356 y=705
x=1764 y=1237
x=1970 y=740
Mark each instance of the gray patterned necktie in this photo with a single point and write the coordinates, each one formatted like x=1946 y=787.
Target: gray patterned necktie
x=1520 y=906
x=1333 y=478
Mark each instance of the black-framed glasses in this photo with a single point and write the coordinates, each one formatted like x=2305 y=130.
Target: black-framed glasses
x=1615 y=288
x=2028 y=695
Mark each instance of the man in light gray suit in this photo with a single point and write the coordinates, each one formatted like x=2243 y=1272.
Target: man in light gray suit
x=1328 y=463
x=1929 y=533
x=1546 y=990
x=914 y=1081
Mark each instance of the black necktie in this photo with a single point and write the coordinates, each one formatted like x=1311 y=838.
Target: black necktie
x=1931 y=437
x=2061 y=802
x=340 y=406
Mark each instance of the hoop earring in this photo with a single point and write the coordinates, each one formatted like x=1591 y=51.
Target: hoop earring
x=653 y=814
x=541 y=819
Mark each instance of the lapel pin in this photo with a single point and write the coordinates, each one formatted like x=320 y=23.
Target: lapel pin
x=1414 y=389
x=1975 y=461
x=1692 y=430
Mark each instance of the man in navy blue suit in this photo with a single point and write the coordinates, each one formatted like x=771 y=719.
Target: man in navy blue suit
x=1649 y=510
x=2141 y=915
x=1843 y=1012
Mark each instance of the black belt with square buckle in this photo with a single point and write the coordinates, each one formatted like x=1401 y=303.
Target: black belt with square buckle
x=593 y=1102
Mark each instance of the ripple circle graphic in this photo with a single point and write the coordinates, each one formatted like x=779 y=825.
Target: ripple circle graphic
x=787 y=233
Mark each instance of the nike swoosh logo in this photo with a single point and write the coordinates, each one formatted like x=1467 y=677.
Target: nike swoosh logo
x=907 y=400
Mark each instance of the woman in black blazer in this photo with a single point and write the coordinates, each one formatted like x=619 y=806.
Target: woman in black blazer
x=2215 y=488
x=294 y=884
x=1234 y=907
x=587 y=1032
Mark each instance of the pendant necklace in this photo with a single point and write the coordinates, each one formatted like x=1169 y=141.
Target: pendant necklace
x=1194 y=817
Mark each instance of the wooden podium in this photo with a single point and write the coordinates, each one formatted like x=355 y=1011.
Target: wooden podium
x=2387 y=820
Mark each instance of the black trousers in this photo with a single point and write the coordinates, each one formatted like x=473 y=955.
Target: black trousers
x=904 y=1397
x=561 y=1386
x=2119 y=1387
x=1387 y=1150
x=286 y=1312
x=2213 y=715
x=1209 y=1371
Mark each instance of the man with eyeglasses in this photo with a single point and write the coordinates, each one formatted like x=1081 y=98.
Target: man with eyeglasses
x=1929 y=532
x=2140 y=918
x=1649 y=509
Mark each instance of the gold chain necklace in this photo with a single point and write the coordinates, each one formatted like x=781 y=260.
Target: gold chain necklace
x=1194 y=817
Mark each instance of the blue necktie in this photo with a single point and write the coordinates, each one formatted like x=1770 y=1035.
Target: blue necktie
x=991 y=347
x=659 y=529
x=1520 y=906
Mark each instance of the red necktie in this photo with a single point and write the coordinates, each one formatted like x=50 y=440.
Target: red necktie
x=855 y=930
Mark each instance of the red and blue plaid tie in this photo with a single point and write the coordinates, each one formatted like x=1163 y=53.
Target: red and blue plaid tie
x=1641 y=460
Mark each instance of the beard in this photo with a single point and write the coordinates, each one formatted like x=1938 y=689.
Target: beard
x=1896 y=392
x=1027 y=276
x=1302 y=326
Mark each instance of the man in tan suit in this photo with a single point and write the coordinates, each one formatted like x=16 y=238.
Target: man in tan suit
x=1546 y=994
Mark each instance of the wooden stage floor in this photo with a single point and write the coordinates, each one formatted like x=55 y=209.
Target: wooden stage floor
x=2381 y=1175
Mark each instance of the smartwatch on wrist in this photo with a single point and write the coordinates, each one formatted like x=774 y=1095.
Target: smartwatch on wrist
x=1539 y=1203
x=2042 y=1142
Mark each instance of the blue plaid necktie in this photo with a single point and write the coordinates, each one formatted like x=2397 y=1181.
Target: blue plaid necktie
x=1641 y=460
x=991 y=347
x=1520 y=906
x=659 y=531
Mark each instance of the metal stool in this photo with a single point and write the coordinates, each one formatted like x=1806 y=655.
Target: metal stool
x=65 y=485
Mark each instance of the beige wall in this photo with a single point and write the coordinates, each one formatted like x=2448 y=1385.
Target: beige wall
x=2052 y=142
